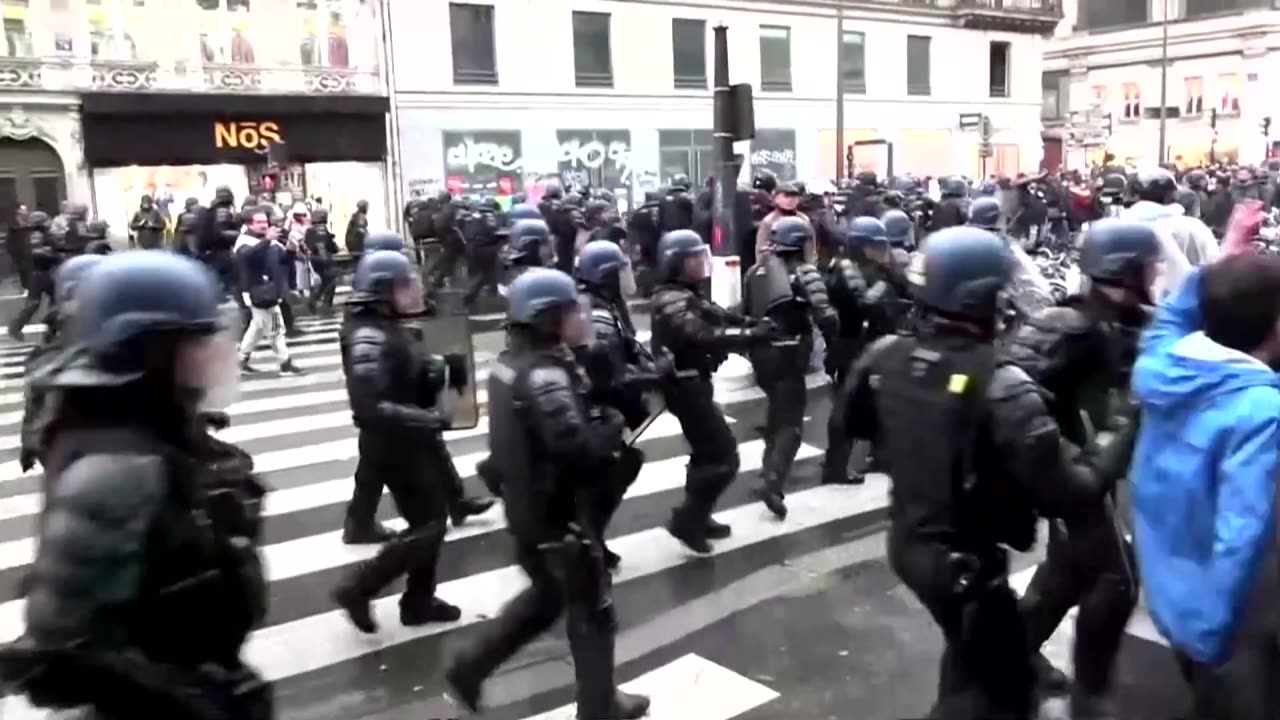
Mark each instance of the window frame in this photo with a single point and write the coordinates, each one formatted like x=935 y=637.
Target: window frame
x=593 y=78
x=688 y=82
x=469 y=75
x=854 y=85
x=1126 y=114
x=1231 y=84
x=776 y=84
x=1187 y=97
x=925 y=88
x=1006 y=90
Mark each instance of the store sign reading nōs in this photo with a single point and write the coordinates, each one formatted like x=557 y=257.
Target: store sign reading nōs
x=190 y=139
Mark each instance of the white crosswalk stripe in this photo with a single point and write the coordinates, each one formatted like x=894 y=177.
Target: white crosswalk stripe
x=299 y=432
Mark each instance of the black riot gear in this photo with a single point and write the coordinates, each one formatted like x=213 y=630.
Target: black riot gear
x=866 y=230
x=765 y=180
x=780 y=368
x=124 y=443
x=523 y=211
x=1155 y=185
x=393 y=386
x=953 y=187
x=529 y=244
x=186 y=229
x=551 y=446
x=1082 y=351
x=385 y=240
x=995 y=461
x=680 y=181
x=698 y=335
x=985 y=213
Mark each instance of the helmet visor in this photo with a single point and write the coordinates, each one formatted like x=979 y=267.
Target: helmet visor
x=209 y=366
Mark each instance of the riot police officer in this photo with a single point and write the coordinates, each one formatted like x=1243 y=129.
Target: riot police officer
x=950 y=209
x=676 y=211
x=394 y=393
x=45 y=257
x=126 y=474
x=790 y=292
x=1082 y=352
x=186 y=229
x=619 y=367
x=994 y=461
x=699 y=335
x=357 y=228
x=484 y=236
x=322 y=247
x=899 y=230
x=68 y=279
x=549 y=445
x=222 y=228
x=529 y=246
x=887 y=300
x=848 y=289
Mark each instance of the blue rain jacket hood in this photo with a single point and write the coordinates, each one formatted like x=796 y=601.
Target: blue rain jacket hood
x=1204 y=477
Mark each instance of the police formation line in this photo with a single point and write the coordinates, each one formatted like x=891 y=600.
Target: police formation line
x=977 y=450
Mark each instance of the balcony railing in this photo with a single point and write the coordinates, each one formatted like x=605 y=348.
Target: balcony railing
x=71 y=75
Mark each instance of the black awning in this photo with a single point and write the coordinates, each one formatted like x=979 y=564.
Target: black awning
x=228 y=105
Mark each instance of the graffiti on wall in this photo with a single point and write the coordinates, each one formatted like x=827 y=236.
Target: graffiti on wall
x=775 y=150
x=594 y=158
x=483 y=161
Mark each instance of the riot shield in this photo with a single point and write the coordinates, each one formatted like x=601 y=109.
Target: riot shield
x=767 y=285
x=448 y=333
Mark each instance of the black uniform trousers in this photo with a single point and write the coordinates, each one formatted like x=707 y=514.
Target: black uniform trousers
x=835 y=463
x=418 y=489
x=781 y=377
x=713 y=450
x=562 y=580
x=1091 y=565
x=370 y=479
x=485 y=271
x=39 y=290
x=325 y=284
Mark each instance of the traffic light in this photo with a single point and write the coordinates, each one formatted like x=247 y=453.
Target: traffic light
x=1109 y=126
x=1266 y=126
x=1213 y=118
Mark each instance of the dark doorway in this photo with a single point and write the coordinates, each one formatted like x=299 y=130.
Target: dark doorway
x=30 y=174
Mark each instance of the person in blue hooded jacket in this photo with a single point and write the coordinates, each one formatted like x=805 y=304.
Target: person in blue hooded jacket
x=1204 y=483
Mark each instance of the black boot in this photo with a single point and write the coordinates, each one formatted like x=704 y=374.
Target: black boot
x=464 y=685
x=461 y=507
x=591 y=641
x=690 y=529
x=374 y=534
x=434 y=611
x=356 y=592
x=717 y=530
x=464 y=508
x=488 y=473
x=358 y=606
x=779 y=455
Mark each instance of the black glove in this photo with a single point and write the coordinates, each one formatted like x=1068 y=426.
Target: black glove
x=458 y=365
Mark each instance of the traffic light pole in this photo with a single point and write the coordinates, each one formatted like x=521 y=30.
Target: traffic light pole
x=723 y=241
x=1164 y=79
x=841 y=170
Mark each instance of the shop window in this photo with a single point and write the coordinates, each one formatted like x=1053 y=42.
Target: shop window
x=998 y=69
x=853 y=64
x=595 y=159
x=688 y=152
x=689 y=53
x=474 y=54
x=592 y=50
x=918 y=65
x=1194 y=104
x=17 y=41
x=775 y=58
x=1132 y=102
x=1229 y=96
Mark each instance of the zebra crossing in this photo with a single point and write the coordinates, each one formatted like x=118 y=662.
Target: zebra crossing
x=299 y=431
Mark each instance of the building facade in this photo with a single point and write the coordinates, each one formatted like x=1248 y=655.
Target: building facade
x=103 y=101
x=616 y=93
x=1102 y=81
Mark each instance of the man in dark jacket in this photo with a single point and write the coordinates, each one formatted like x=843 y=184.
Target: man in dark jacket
x=263 y=283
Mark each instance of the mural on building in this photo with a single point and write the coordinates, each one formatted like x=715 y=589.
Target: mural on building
x=483 y=161
x=775 y=150
x=595 y=158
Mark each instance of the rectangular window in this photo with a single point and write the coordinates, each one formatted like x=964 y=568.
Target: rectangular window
x=474 y=55
x=1132 y=102
x=775 y=58
x=1205 y=8
x=1229 y=94
x=48 y=194
x=1103 y=14
x=592 y=51
x=918 y=62
x=853 y=64
x=686 y=152
x=1194 y=104
x=689 y=53
x=998 y=69
x=1054 y=93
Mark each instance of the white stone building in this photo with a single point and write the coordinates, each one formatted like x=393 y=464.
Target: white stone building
x=617 y=91
x=1106 y=54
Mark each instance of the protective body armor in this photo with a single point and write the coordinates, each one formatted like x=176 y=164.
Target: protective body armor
x=697 y=333
x=614 y=355
x=379 y=352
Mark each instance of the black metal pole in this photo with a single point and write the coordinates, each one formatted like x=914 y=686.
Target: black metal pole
x=724 y=240
x=841 y=170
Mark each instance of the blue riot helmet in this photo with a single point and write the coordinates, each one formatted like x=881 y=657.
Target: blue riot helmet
x=683 y=256
x=898 y=228
x=865 y=230
x=1122 y=254
x=989 y=189
x=603 y=265
x=1155 y=185
x=529 y=240
x=523 y=211
x=953 y=187
x=790 y=234
x=985 y=213
x=384 y=240
x=961 y=272
x=69 y=275
x=540 y=300
x=386 y=278
x=148 y=314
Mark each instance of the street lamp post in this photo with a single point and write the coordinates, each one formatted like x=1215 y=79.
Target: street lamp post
x=841 y=171
x=1164 y=78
